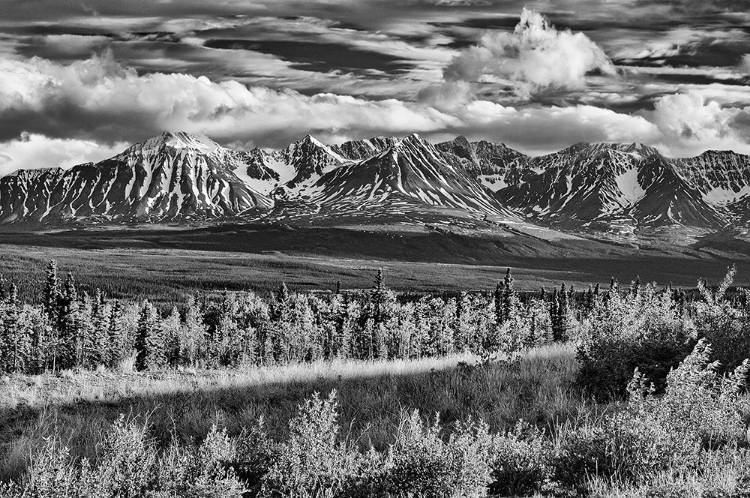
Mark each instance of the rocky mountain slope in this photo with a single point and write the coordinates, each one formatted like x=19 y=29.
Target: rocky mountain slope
x=168 y=177
x=180 y=177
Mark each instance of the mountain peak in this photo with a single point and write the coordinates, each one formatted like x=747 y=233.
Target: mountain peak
x=309 y=139
x=180 y=140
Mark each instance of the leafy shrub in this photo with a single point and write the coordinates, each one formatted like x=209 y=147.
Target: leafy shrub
x=725 y=326
x=696 y=414
x=519 y=460
x=421 y=463
x=312 y=460
x=644 y=330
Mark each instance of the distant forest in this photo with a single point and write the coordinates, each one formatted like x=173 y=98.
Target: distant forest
x=72 y=329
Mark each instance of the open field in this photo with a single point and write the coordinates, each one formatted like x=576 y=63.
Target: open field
x=79 y=407
x=167 y=265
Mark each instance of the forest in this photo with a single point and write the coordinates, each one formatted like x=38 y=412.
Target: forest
x=633 y=390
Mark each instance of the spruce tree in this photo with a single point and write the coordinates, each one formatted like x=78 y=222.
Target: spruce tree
x=554 y=313
x=100 y=318
x=509 y=296
x=499 y=319
x=562 y=314
x=635 y=286
x=116 y=340
x=378 y=297
x=149 y=343
x=68 y=324
x=51 y=292
x=11 y=331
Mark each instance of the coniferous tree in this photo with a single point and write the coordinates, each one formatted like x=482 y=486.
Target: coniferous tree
x=509 y=296
x=85 y=340
x=100 y=319
x=378 y=297
x=192 y=342
x=51 y=292
x=562 y=314
x=68 y=324
x=170 y=329
x=149 y=344
x=116 y=340
x=12 y=335
x=499 y=319
x=635 y=286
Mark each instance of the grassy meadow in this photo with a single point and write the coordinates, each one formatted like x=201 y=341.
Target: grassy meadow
x=79 y=408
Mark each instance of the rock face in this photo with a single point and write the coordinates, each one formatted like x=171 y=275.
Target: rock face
x=405 y=175
x=609 y=183
x=179 y=177
x=168 y=177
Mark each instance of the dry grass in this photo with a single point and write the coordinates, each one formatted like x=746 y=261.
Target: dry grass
x=79 y=407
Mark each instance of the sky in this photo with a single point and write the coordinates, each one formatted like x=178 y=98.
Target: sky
x=80 y=80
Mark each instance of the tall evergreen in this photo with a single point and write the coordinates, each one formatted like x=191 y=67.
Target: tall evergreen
x=554 y=314
x=149 y=343
x=509 y=296
x=499 y=319
x=116 y=338
x=51 y=292
x=378 y=296
x=100 y=319
x=13 y=353
x=635 y=286
x=68 y=324
x=563 y=310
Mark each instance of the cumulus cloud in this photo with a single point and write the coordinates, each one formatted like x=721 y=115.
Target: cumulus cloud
x=66 y=111
x=534 y=58
x=690 y=124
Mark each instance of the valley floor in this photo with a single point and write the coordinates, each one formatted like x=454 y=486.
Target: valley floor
x=78 y=407
x=166 y=266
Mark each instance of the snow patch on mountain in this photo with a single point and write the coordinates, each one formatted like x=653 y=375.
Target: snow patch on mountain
x=629 y=187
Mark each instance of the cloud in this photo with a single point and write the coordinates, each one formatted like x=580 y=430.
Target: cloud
x=744 y=65
x=690 y=124
x=37 y=151
x=70 y=110
x=535 y=58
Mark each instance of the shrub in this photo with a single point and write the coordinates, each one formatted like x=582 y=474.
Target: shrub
x=420 y=463
x=696 y=414
x=312 y=460
x=644 y=330
x=519 y=460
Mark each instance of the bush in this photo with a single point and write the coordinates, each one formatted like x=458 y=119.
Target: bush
x=696 y=415
x=644 y=330
x=519 y=460
x=312 y=460
x=421 y=463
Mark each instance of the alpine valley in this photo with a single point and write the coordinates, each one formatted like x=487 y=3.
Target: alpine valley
x=182 y=179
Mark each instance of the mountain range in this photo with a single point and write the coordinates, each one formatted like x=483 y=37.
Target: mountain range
x=182 y=178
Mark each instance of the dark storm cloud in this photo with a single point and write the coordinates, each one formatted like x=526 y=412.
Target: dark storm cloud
x=322 y=57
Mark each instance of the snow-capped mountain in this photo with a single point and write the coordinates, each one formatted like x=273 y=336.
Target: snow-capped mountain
x=179 y=177
x=399 y=176
x=618 y=184
x=495 y=165
x=168 y=177
x=294 y=168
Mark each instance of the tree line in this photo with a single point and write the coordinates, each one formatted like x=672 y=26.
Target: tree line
x=72 y=329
